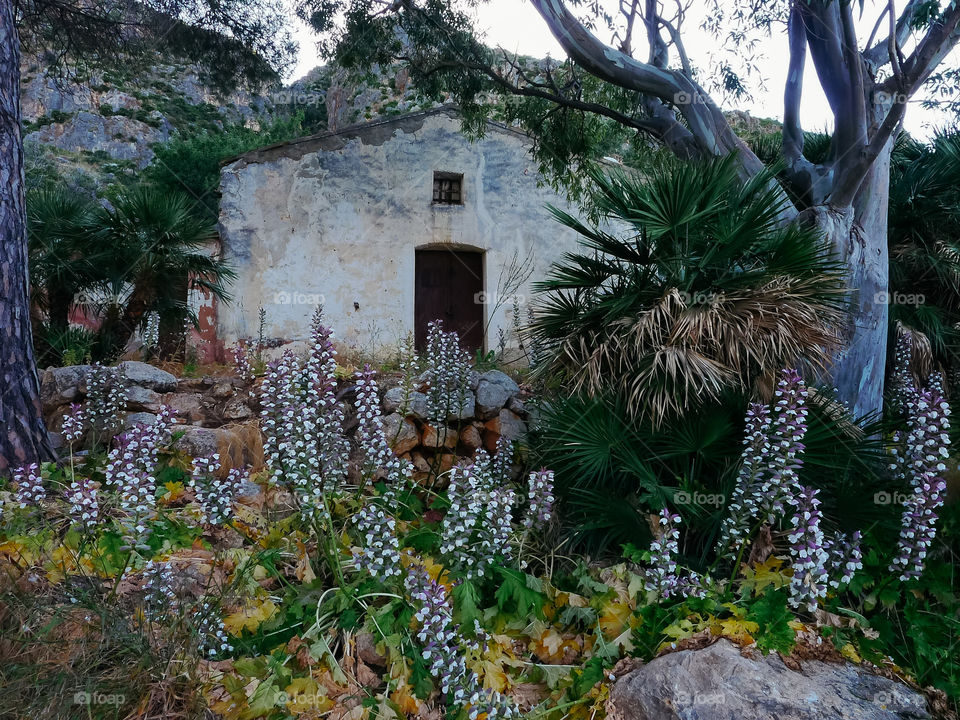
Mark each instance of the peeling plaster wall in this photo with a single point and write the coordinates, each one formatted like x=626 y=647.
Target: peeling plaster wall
x=336 y=219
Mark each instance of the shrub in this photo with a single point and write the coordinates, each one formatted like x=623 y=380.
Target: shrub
x=694 y=287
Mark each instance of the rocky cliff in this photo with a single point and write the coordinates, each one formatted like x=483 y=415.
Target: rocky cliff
x=96 y=125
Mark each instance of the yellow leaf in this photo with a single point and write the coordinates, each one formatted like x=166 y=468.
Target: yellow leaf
x=250 y=617
x=304 y=570
x=765 y=574
x=740 y=631
x=405 y=700
x=303 y=695
x=174 y=491
x=614 y=618
x=851 y=654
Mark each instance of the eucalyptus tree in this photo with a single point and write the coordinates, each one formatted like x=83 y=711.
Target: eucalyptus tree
x=233 y=38
x=628 y=70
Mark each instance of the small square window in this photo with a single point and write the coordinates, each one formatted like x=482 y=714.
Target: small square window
x=447 y=188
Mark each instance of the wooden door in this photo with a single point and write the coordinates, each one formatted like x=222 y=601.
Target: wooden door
x=449 y=287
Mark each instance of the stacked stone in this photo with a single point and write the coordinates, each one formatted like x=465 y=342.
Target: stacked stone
x=492 y=408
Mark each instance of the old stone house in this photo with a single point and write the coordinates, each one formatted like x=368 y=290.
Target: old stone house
x=389 y=225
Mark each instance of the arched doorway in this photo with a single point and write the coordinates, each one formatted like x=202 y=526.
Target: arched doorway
x=449 y=286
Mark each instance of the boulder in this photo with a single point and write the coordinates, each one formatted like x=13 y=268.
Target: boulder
x=516 y=406
x=222 y=390
x=401 y=432
x=493 y=391
x=237 y=409
x=470 y=438
x=185 y=405
x=465 y=411
x=138 y=418
x=61 y=385
x=505 y=424
x=433 y=439
x=148 y=376
x=416 y=404
x=142 y=399
x=720 y=683
x=239 y=445
x=420 y=463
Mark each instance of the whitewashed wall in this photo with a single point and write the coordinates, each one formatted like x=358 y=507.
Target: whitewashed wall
x=336 y=219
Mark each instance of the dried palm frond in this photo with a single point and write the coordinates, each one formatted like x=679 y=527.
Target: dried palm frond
x=706 y=292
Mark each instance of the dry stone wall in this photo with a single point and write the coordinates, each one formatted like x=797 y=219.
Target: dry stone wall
x=220 y=414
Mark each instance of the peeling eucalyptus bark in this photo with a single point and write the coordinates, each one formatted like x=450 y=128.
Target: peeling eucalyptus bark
x=23 y=437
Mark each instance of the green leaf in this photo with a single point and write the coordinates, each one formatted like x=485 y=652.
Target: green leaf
x=771 y=612
x=516 y=596
x=420 y=678
x=466 y=604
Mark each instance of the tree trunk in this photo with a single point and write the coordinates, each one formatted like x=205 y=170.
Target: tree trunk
x=24 y=438
x=858 y=235
x=59 y=303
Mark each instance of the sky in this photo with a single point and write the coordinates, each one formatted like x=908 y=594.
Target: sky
x=517 y=27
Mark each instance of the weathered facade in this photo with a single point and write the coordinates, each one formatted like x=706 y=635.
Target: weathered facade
x=388 y=225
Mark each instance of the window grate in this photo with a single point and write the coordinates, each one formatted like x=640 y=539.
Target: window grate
x=447 y=188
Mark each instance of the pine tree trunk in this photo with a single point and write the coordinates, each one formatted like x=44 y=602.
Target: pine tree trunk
x=23 y=438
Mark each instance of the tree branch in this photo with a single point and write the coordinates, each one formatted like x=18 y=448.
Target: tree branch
x=703 y=117
x=940 y=39
x=877 y=55
x=793 y=88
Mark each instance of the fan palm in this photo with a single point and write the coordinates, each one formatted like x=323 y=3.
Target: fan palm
x=612 y=474
x=924 y=241
x=160 y=252
x=61 y=262
x=703 y=290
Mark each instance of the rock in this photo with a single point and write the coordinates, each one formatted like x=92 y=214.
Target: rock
x=239 y=445
x=236 y=409
x=142 y=399
x=473 y=380
x=249 y=491
x=120 y=137
x=185 y=405
x=393 y=399
x=516 y=406
x=493 y=391
x=420 y=463
x=148 y=376
x=719 y=683
x=138 y=418
x=366 y=647
x=401 y=432
x=470 y=438
x=416 y=404
x=466 y=411
x=222 y=390
x=447 y=461
x=59 y=386
x=199 y=442
x=507 y=425
x=433 y=439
